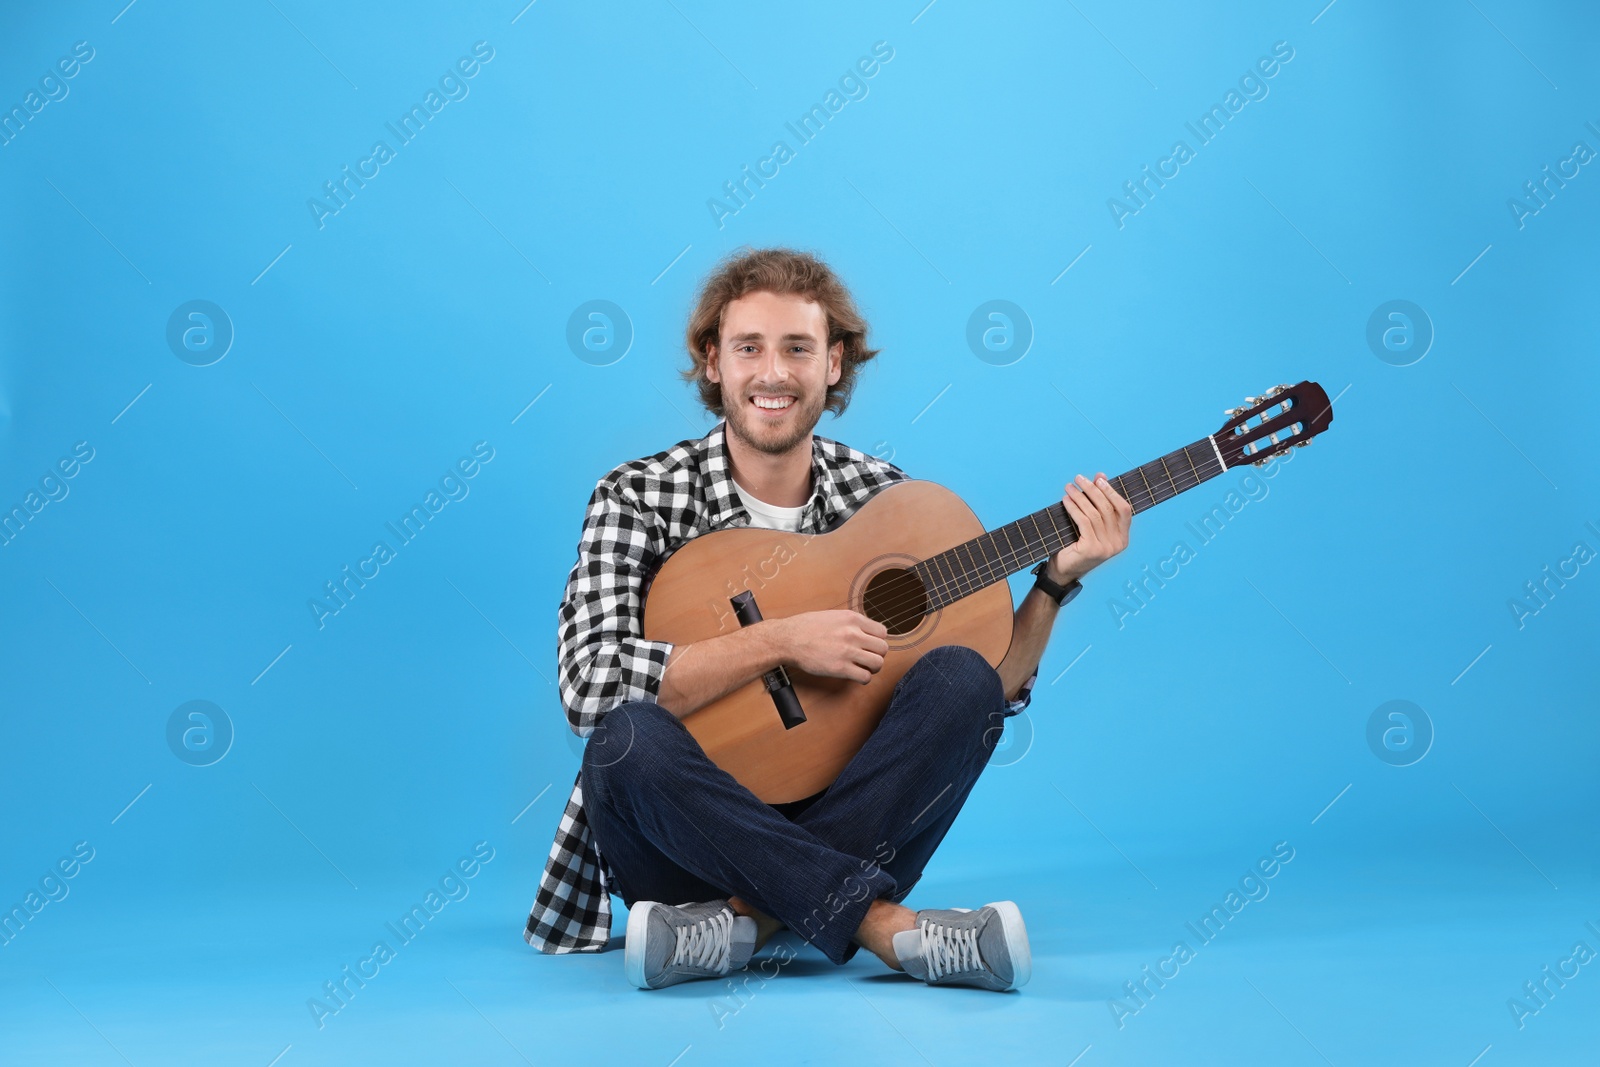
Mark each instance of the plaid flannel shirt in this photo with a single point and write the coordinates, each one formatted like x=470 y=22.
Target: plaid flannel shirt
x=640 y=512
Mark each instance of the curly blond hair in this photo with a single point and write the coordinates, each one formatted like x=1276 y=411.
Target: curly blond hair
x=785 y=272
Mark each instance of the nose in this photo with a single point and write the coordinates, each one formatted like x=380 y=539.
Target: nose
x=774 y=371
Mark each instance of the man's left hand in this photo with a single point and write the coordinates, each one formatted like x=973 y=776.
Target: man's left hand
x=1102 y=517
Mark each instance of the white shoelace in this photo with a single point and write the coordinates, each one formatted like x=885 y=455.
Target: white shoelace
x=949 y=951
x=707 y=943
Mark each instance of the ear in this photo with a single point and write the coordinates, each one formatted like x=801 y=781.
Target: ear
x=835 y=361
x=712 y=372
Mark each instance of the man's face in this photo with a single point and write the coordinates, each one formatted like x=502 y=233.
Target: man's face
x=774 y=366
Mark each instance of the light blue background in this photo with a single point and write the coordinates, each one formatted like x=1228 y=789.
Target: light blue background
x=372 y=353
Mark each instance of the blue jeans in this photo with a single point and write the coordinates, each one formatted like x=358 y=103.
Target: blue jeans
x=672 y=826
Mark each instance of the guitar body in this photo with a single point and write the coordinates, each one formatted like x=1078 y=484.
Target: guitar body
x=791 y=573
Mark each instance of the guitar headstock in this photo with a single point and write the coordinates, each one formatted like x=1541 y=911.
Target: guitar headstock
x=1284 y=417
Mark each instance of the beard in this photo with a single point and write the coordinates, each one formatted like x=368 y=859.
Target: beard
x=781 y=436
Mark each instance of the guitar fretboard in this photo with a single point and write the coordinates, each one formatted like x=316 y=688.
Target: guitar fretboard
x=992 y=556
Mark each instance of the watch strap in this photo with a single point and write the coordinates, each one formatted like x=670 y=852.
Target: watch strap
x=1061 y=594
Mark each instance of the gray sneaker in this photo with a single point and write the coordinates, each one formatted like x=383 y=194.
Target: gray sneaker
x=667 y=945
x=987 y=948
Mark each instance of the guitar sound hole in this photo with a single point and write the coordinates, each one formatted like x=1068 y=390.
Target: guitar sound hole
x=897 y=599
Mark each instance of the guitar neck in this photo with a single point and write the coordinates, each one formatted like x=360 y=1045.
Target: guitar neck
x=991 y=557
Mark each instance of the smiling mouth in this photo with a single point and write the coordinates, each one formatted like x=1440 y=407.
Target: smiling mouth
x=773 y=405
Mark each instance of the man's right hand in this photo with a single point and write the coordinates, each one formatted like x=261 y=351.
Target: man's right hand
x=834 y=644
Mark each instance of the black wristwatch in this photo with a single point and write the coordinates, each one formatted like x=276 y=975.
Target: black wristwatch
x=1061 y=594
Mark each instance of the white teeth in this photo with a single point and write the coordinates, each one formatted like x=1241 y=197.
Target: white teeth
x=773 y=404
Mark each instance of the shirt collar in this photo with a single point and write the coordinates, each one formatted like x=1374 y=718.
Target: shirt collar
x=722 y=501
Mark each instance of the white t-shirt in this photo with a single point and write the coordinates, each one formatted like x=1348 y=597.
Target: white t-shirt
x=769 y=516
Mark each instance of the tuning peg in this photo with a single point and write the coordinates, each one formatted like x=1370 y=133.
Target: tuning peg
x=1302 y=444
x=1252 y=401
x=1274 y=391
x=1233 y=412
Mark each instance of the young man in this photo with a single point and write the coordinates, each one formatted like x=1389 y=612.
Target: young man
x=774 y=339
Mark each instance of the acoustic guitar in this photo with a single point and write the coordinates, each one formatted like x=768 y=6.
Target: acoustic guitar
x=915 y=558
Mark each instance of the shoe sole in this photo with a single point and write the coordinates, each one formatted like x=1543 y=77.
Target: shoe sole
x=1016 y=941
x=638 y=928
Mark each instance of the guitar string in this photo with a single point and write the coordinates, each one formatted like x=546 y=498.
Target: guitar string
x=969 y=581
x=1010 y=558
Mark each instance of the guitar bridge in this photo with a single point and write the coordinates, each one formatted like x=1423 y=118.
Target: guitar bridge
x=777 y=679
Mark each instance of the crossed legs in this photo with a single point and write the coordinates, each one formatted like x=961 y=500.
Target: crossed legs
x=673 y=826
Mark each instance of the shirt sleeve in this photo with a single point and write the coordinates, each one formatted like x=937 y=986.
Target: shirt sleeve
x=604 y=660
x=1024 y=695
